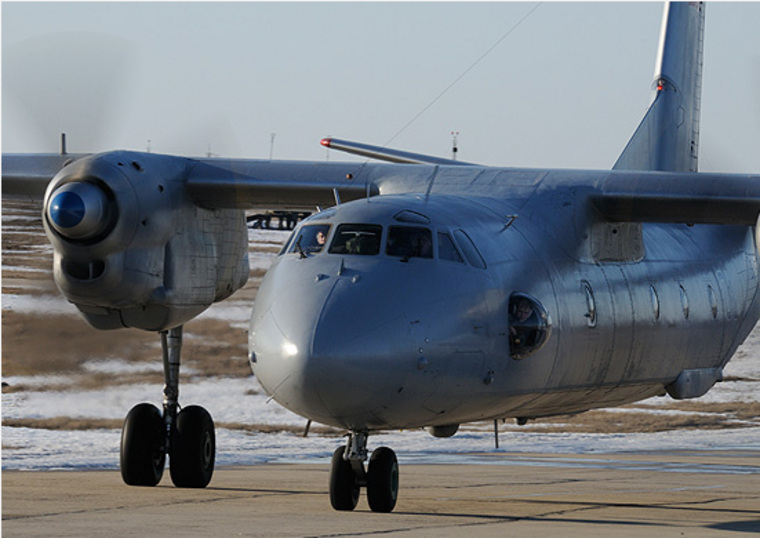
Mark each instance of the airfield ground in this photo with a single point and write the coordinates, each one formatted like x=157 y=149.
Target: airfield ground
x=663 y=495
x=47 y=349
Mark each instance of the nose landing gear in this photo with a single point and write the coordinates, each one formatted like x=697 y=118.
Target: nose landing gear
x=187 y=436
x=347 y=476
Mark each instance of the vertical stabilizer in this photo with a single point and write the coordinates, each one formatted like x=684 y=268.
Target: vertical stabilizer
x=668 y=137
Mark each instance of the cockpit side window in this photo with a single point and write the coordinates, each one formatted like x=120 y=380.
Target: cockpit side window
x=362 y=239
x=469 y=249
x=287 y=244
x=311 y=239
x=447 y=250
x=529 y=325
x=409 y=242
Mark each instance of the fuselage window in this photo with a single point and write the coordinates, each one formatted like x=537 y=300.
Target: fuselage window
x=362 y=239
x=409 y=242
x=713 y=301
x=311 y=239
x=684 y=302
x=469 y=249
x=655 y=302
x=590 y=305
x=529 y=325
x=447 y=250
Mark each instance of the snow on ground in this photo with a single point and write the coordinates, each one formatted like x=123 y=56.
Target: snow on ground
x=36 y=304
x=33 y=449
x=242 y=401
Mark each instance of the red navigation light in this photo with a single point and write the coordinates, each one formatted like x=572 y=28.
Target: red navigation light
x=326 y=142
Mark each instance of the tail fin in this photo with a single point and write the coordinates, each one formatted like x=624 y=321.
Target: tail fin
x=668 y=137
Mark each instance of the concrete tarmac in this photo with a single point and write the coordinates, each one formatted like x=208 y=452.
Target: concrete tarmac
x=501 y=494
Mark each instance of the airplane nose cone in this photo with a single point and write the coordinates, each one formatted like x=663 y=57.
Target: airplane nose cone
x=332 y=354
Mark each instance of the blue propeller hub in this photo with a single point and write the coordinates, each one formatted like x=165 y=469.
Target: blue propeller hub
x=79 y=211
x=67 y=209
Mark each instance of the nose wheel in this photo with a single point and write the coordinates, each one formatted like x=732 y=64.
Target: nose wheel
x=348 y=476
x=187 y=436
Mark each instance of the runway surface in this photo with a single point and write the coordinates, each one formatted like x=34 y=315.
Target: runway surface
x=663 y=494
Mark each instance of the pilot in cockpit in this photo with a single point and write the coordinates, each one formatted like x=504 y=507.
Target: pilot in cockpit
x=311 y=240
x=321 y=239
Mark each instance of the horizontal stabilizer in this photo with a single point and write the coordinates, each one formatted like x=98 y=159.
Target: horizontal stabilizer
x=386 y=154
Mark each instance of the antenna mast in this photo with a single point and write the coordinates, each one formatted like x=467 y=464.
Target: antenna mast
x=454 y=148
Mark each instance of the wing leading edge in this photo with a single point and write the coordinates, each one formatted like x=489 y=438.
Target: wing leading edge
x=29 y=174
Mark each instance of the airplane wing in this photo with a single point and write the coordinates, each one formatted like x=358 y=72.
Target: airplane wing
x=28 y=174
x=212 y=182
x=680 y=198
x=622 y=196
x=245 y=184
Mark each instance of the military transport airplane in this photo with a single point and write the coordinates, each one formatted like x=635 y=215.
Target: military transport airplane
x=430 y=292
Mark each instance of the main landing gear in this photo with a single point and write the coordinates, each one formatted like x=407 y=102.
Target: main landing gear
x=186 y=436
x=347 y=475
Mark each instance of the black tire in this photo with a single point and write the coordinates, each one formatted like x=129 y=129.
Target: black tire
x=344 y=489
x=143 y=454
x=193 y=448
x=382 y=480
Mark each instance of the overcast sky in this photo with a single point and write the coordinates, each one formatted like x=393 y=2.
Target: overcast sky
x=566 y=88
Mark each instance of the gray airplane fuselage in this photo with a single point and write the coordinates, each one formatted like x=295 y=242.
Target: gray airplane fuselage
x=375 y=340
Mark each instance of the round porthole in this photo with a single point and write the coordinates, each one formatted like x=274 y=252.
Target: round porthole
x=529 y=325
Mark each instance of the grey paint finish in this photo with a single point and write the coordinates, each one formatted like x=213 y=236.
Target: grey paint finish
x=648 y=278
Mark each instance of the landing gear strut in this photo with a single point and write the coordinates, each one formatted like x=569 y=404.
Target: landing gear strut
x=186 y=435
x=347 y=475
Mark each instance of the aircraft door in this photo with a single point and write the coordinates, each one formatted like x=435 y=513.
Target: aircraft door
x=625 y=355
x=588 y=312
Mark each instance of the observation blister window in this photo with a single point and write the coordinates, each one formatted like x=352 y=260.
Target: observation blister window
x=529 y=325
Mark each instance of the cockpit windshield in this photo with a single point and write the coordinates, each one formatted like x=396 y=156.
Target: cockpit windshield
x=401 y=241
x=409 y=242
x=311 y=239
x=363 y=239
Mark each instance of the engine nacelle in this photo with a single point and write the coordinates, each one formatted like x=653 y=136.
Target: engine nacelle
x=132 y=249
